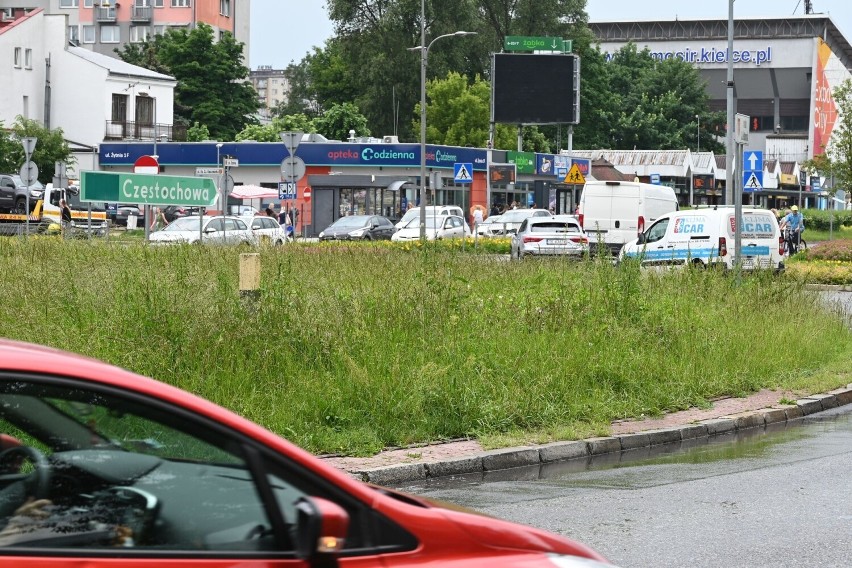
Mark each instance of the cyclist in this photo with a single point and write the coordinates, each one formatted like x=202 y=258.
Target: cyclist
x=793 y=224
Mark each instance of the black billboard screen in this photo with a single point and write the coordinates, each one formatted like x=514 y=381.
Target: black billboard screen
x=535 y=88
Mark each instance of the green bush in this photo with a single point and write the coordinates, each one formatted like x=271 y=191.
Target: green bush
x=820 y=220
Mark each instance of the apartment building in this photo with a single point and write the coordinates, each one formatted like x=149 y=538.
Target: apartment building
x=272 y=88
x=103 y=26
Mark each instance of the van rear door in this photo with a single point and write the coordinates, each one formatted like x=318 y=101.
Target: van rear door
x=759 y=234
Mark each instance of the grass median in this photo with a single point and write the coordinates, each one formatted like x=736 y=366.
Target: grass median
x=351 y=349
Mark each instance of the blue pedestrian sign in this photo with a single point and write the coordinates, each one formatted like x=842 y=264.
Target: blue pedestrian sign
x=752 y=170
x=463 y=172
x=287 y=190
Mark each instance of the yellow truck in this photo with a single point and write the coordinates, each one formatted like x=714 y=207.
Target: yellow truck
x=86 y=219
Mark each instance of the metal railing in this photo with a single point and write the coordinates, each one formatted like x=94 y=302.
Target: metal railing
x=141 y=13
x=105 y=13
x=131 y=130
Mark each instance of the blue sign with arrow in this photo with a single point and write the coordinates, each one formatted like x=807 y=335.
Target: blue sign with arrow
x=752 y=170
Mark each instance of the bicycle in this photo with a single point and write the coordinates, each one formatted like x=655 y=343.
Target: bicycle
x=788 y=243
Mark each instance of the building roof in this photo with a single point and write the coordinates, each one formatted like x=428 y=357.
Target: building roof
x=604 y=171
x=668 y=163
x=117 y=66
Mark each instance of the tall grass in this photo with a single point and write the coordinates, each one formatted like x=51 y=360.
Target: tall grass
x=352 y=349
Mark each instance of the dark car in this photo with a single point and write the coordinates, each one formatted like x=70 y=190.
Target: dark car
x=125 y=211
x=173 y=212
x=358 y=227
x=13 y=193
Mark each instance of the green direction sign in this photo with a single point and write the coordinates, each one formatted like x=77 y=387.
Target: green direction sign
x=147 y=189
x=525 y=43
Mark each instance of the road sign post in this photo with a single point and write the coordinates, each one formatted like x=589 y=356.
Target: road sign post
x=29 y=145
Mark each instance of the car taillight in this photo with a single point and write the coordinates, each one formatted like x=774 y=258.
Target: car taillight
x=533 y=239
x=580 y=240
x=641 y=224
x=580 y=218
x=781 y=245
x=723 y=246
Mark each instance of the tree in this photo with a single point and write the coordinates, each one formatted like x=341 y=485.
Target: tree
x=50 y=148
x=197 y=133
x=212 y=87
x=272 y=132
x=336 y=122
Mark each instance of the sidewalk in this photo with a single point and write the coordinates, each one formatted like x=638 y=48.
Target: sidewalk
x=456 y=458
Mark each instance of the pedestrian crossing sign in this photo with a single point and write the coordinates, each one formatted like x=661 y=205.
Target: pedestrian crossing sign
x=752 y=181
x=463 y=172
x=575 y=176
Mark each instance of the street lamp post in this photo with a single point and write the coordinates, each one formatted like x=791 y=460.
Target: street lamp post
x=424 y=56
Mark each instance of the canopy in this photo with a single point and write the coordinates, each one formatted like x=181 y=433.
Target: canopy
x=254 y=192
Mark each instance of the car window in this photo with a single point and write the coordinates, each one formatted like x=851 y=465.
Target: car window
x=657 y=231
x=215 y=224
x=257 y=223
x=523 y=226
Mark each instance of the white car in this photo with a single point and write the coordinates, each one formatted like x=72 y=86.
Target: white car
x=440 y=227
x=490 y=224
x=267 y=230
x=213 y=230
x=560 y=235
x=511 y=220
x=431 y=210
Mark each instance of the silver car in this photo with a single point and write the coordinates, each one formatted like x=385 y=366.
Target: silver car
x=213 y=230
x=560 y=235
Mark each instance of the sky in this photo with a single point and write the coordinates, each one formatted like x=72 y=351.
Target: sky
x=284 y=31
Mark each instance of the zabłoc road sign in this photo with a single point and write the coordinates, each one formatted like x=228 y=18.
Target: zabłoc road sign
x=147 y=189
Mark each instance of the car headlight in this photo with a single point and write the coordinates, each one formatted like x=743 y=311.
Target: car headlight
x=322 y=234
x=36 y=192
x=358 y=232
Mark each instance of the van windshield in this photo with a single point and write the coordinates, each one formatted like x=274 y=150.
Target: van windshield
x=75 y=203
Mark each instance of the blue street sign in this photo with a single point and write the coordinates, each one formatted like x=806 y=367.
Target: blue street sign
x=753 y=161
x=655 y=179
x=463 y=172
x=287 y=190
x=752 y=181
x=815 y=183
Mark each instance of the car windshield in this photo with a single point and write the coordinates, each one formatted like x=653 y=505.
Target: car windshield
x=351 y=222
x=183 y=224
x=516 y=215
x=494 y=219
x=20 y=183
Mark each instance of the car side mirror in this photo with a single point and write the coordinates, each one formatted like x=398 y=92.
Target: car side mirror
x=209 y=230
x=640 y=239
x=321 y=529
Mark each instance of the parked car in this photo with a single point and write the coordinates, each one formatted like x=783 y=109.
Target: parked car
x=13 y=193
x=431 y=210
x=484 y=229
x=560 y=235
x=267 y=230
x=128 y=471
x=437 y=227
x=511 y=220
x=215 y=230
x=358 y=227
x=122 y=212
x=173 y=212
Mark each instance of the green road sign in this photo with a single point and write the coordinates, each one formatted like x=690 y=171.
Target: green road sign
x=147 y=189
x=525 y=43
x=567 y=45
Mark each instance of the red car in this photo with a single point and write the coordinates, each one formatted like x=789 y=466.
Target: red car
x=104 y=468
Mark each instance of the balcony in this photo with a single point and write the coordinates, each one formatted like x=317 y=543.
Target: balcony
x=105 y=13
x=141 y=13
x=131 y=130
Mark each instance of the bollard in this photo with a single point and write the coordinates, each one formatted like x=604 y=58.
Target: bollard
x=250 y=279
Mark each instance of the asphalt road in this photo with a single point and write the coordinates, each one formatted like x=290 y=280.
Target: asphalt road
x=774 y=498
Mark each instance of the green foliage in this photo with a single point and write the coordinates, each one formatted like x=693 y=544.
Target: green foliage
x=311 y=359
x=336 y=122
x=820 y=220
x=211 y=77
x=272 y=132
x=198 y=133
x=50 y=148
x=840 y=249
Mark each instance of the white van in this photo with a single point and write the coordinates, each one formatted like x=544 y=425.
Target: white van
x=431 y=210
x=705 y=237
x=615 y=212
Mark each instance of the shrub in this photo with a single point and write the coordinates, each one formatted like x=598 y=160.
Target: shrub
x=840 y=250
x=819 y=220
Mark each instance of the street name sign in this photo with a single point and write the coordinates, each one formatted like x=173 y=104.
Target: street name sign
x=147 y=189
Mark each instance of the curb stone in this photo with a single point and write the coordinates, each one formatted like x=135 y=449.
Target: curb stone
x=510 y=458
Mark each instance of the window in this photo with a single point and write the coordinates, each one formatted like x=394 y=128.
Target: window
x=110 y=34
x=18 y=57
x=74 y=34
x=180 y=3
x=87 y=3
x=157 y=3
x=69 y=3
x=225 y=7
x=657 y=231
x=88 y=34
x=28 y=58
x=138 y=33
x=119 y=107
x=145 y=111
x=159 y=30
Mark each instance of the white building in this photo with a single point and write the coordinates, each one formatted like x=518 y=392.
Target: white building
x=90 y=96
